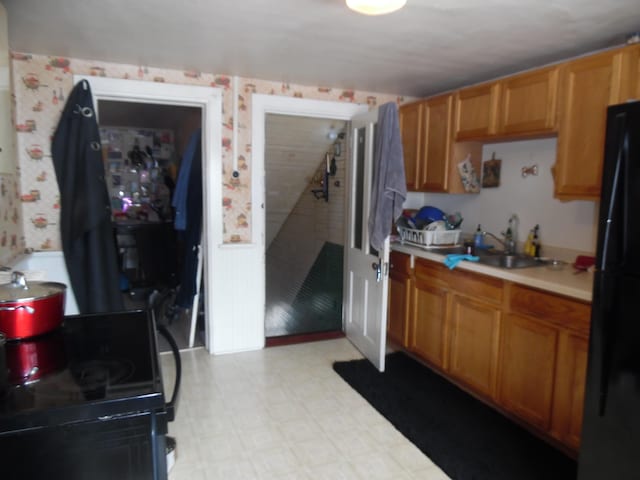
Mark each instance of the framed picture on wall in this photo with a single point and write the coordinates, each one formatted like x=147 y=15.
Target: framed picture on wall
x=491 y=173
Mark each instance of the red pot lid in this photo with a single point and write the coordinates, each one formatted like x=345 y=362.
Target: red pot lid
x=19 y=291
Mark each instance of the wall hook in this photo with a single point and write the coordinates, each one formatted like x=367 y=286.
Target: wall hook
x=532 y=170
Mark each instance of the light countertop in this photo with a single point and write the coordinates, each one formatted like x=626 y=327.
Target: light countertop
x=562 y=282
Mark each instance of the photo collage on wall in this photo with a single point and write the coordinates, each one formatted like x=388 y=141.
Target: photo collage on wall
x=140 y=167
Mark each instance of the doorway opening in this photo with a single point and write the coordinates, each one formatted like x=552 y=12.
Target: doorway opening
x=143 y=148
x=304 y=226
x=209 y=102
x=263 y=105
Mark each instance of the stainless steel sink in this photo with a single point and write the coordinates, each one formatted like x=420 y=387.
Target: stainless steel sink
x=501 y=260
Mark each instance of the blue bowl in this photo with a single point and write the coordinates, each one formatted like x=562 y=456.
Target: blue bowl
x=428 y=214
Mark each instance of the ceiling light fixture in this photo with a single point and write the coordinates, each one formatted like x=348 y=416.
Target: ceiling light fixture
x=375 y=7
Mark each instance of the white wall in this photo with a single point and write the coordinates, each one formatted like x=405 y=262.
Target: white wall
x=570 y=225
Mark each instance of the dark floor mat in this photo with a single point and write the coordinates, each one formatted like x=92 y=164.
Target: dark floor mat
x=464 y=437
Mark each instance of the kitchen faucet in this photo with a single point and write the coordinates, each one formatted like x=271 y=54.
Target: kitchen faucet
x=509 y=242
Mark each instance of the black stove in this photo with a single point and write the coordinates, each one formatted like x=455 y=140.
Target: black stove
x=86 y=401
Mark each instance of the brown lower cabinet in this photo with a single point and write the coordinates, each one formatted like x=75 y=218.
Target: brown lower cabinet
x=527 y=369
x=568 y=401
x=474 y=336
x=522 y=350
x=427 y=321
x=400 y=285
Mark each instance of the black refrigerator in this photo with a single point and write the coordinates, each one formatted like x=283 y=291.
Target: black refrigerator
x=611 y=428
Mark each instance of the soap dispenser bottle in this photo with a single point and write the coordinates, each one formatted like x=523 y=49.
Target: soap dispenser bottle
x=478 y=237
x=529 y=249
x=536 y=242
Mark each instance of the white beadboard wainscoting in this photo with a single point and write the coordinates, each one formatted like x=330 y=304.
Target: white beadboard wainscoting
x=235 y=288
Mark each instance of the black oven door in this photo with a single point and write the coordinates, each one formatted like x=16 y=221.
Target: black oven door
x=127 y=448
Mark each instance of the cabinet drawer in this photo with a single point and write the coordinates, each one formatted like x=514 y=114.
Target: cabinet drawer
x=432 y=272
x=560 y=310
x=478 y=286
x=400 y=262
x=463 y=282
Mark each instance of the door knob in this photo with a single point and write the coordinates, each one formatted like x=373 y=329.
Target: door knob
x=377 y=266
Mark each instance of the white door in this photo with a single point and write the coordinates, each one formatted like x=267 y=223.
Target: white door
x=366 y=272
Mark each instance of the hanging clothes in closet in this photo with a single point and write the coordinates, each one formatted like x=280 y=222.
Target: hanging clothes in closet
x=187 y=201
x=85 y=211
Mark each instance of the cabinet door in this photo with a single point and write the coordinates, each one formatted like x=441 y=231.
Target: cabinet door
x=528 y=103
x=635 y=76
x=437 y=142
x=527 y=366
x=588 y=86
x=476 y=111
x=473 y=354
x=411 y=130
x=568 y=401
x=399 y=300
x=428 y=321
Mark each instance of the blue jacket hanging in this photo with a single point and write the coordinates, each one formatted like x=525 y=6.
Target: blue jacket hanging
x=187 y=200
x=180 y=194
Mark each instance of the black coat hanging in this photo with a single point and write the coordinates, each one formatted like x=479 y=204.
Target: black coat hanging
x=85 y=211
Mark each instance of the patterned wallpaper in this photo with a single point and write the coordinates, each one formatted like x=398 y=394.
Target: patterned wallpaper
x=11 y=233
x=11 y=238
x=41 y=85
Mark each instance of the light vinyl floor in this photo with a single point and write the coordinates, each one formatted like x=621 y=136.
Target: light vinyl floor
x=283 y=413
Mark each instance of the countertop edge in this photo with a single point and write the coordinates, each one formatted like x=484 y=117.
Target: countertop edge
x=561 y=282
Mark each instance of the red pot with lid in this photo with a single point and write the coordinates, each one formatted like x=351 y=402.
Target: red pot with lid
x=27 y=310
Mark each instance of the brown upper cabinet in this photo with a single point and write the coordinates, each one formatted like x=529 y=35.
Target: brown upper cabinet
x=588 y=86
x=528 y=103
x=568 y=99
x=476 y=111
x=523 y=105
x=411 y=128
x=430 y=155
x=436 y=137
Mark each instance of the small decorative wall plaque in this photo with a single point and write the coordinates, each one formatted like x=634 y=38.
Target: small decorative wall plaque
x=491 y=172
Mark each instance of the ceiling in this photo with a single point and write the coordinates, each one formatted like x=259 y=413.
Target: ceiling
x=427 y=47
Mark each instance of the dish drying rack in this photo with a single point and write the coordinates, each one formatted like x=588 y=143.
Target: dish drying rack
x=429 y=238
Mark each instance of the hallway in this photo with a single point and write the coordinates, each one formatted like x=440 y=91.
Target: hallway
x=304 y=220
